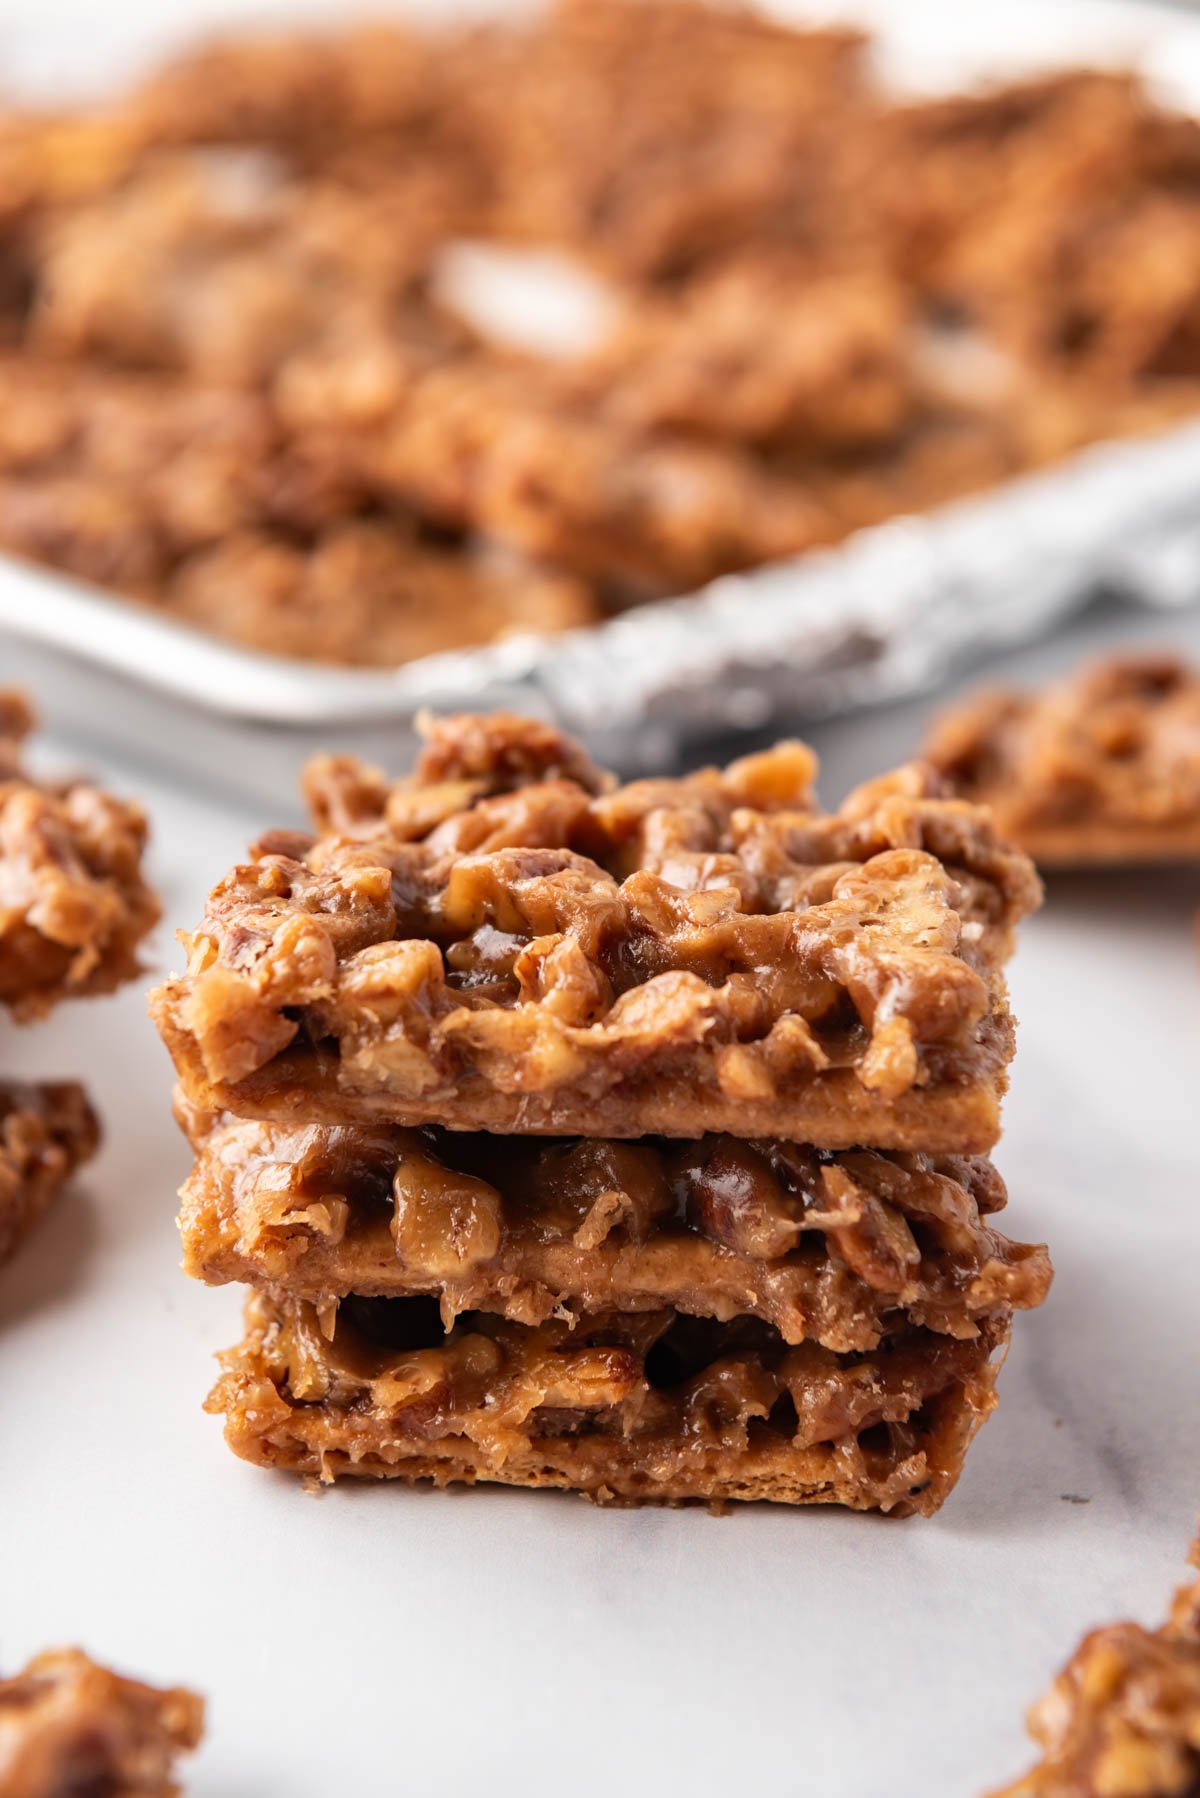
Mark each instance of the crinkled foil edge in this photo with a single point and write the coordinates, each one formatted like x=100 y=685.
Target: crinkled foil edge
x=886 y=613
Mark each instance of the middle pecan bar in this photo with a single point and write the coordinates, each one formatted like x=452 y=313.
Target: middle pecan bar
x=821 y=1246
x=508 y=941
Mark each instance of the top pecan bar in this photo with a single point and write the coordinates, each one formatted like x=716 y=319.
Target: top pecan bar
x=73 y=904
x=508 y=941
x=1101 y=768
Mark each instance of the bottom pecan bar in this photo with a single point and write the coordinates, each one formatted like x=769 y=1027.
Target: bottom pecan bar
x=1122 y=1720
x=46 y=1132
x=629 y=1407
x=69 y=1728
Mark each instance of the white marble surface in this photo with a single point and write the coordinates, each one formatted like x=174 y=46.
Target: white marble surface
x=377 y=1640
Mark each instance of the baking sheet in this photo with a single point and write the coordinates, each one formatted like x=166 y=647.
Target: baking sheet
x=381 y=1642
x=888 y=612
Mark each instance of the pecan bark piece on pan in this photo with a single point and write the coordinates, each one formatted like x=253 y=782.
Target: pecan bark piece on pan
x=651 y=1406
x=1102 y=767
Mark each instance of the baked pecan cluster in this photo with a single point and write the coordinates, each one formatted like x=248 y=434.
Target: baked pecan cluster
x=1103 y=767
x=1123 y=1716
x=74 y=908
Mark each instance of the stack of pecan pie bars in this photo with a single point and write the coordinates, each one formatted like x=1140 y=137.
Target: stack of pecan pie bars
x=626 y=1139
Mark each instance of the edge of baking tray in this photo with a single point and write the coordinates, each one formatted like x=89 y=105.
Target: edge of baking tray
x=882 y=610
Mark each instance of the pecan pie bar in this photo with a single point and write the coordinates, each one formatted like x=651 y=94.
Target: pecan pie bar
x=70 y=1728
x=821 y=1246
x=74 y=906
x=1101 y=768
x=46 y=1132
x=1122 y=1720
x=652 y=1405
x=508 y=942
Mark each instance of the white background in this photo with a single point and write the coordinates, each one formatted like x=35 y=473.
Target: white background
x=376 y=1640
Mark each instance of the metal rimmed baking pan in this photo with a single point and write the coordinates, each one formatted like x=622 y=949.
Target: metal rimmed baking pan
x=883 y=613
